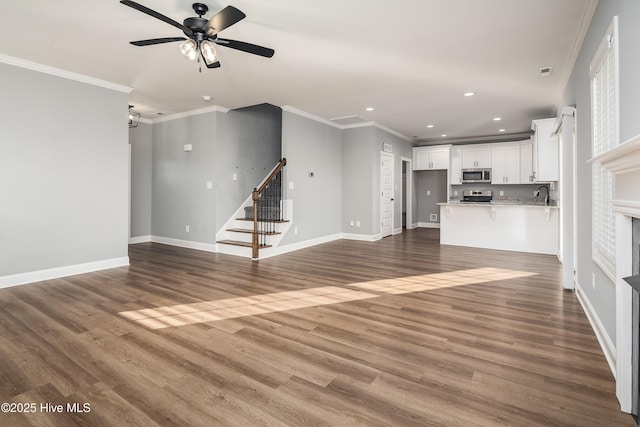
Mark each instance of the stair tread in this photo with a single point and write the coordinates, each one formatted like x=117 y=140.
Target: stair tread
x=248 y=231
x=239 y=243
x=263 y=220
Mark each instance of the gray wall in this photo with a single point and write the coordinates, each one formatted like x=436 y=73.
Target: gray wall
x=141 y=140
x=436 y=183
x=63 y=172
x=246 y=142
x=249 y=145
x=602 y=298
x=311 y=146
x=361 y=151
x=361 y=176
x=179 y=190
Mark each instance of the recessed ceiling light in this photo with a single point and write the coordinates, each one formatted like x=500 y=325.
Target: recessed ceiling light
x=443 y=135
x=469 y=93
x=369 y=108
x=502 y=130
x=429 y=126
x=206 y=97
x=497 y=119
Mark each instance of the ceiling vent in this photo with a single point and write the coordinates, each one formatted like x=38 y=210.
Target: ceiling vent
x=348 y=120
x=546 y=71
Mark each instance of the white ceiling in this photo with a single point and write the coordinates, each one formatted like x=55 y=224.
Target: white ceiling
x=411 y=60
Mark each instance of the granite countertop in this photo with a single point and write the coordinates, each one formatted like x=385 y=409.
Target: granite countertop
x=525 y=203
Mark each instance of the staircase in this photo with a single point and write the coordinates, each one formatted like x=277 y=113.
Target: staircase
x=260 y=223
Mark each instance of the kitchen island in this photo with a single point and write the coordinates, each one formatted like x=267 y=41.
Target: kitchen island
x=500 y=225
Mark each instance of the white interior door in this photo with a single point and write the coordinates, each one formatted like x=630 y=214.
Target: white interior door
x=386 y=191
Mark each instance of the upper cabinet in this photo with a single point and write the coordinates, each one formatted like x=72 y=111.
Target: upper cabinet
x=431 y=158
x=526 y=163
x=476 y=157
x=545 y=151
x=455 y=173
x=505 y=164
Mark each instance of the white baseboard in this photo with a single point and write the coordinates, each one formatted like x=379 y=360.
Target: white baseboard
x=608 y=348
x=208 y=247
x=269 y=252
x=429 y=224
x=359 y=237
x=56 y=273
x=139 y=239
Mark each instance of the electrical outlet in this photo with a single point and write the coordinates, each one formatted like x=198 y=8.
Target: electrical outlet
x=209 y=185
x=234 y=177
x=295 y=230
x=352 y=223
x=186 y=229
x=428 y=192
x=501 y=193
x=455 y=192
x=433 y=217
x=357 y=223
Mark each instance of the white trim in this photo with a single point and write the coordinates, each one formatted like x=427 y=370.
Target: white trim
x=602 y=336
x=269 y=252
x=145 y=121
x=621 y=159
x=211 y=109
x=139 y=239
x=359 y=237
x=68 y=270
x=310 y=116
x=34 y=66
x=207 y=247
x=429 y=224
x=583 y=28
x=379 y=126
x=627 y=207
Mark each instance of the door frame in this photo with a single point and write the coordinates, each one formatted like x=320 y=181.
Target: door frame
x=408 y=190
x=391 y=157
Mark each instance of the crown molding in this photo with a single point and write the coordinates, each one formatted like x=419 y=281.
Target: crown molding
x=583 y=28
x=211 y=109
x=46 y=69
x=310 y=116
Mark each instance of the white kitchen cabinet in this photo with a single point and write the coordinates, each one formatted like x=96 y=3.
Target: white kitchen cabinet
x=526 y=163
x=455 y=173
x=431 y=158
x=476 y=157
x=505 y=164
x=545 y=151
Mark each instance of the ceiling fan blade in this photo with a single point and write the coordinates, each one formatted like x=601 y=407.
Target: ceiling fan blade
x=156 y=15
x=246 y=47
x=213 y=64
x=223 y=19
x=157 y=41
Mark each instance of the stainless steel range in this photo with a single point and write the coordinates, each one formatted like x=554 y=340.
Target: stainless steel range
x=477 y=196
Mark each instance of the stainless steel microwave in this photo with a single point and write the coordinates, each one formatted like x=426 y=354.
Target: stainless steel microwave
x=472 y=176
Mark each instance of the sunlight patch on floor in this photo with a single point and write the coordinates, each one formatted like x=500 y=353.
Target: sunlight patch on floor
x=210 y=311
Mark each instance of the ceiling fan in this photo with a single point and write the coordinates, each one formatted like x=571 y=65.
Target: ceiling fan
x=202 y=33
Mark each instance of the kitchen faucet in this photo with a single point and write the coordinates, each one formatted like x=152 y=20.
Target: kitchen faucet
x=546 y=198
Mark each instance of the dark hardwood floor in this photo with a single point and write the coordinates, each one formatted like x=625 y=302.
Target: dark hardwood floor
x=401 y=332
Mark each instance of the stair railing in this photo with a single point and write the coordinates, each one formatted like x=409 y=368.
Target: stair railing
x=267 y=208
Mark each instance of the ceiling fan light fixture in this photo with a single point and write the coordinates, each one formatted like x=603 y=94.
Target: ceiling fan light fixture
x=189 y=48
x=134 y=117
x=208 y=52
